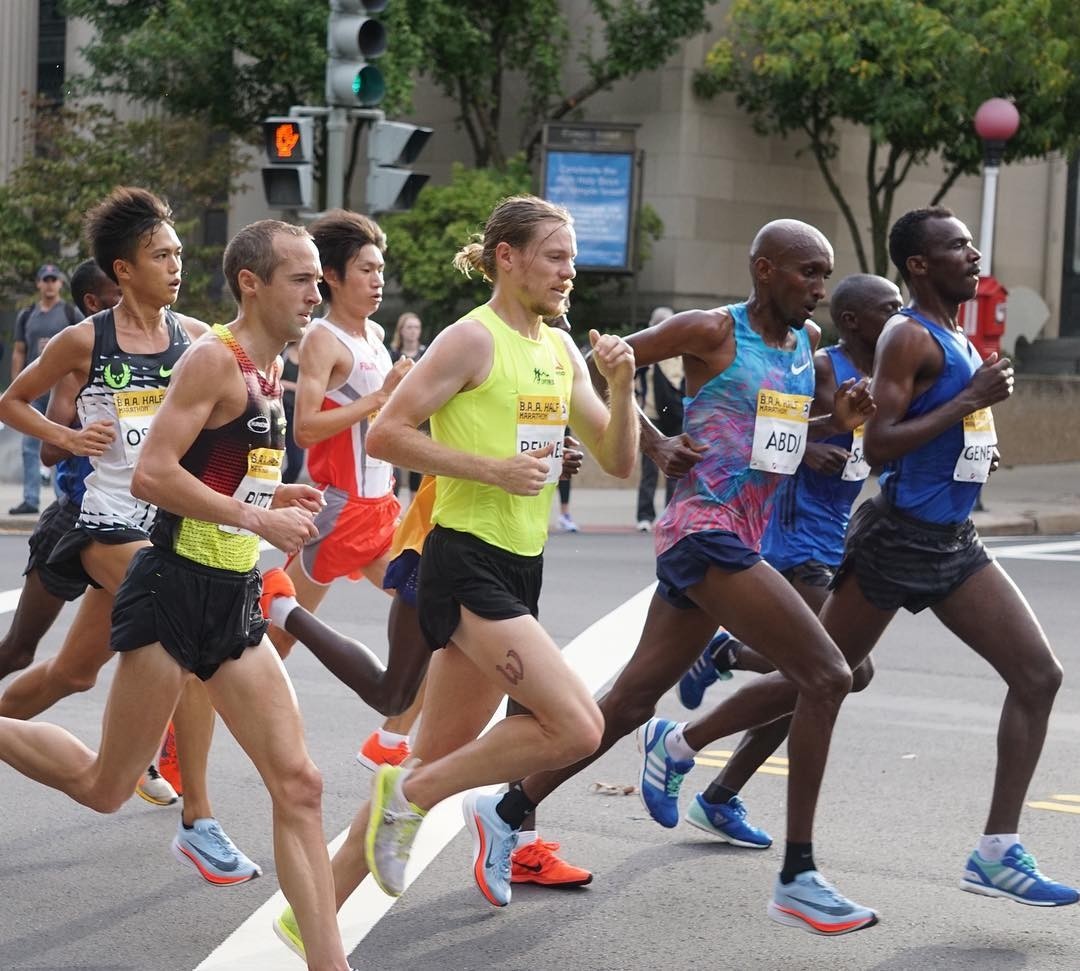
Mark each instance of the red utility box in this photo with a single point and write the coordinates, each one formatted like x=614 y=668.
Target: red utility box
x=983 y=318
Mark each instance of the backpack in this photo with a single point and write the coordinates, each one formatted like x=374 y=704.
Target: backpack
x=24 y=315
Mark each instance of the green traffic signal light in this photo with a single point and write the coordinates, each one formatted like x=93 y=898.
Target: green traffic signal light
x=368 y=86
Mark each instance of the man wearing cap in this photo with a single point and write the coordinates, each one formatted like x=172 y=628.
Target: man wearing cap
x=35 y=326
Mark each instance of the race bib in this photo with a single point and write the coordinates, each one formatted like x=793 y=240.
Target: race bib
x=257 y=488
x=780 y=431
x=973 y=463
x=134 y=411
x=857 y=467
x=541 y=420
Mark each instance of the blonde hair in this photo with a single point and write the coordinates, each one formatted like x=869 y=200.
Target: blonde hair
x=395 y=341
x=514 y=220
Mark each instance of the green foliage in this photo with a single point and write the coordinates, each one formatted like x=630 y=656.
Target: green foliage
x=911 y=72
x=229 y=61
x=479 y=53
x=82 y=153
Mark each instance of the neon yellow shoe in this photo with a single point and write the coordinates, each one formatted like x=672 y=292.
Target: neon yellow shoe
x=288 y=933
x=391 y=830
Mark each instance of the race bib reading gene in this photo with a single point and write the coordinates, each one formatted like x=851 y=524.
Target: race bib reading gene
x=780 y=431
x=541 y=421
x=134 y=410
x=973 y=462
x=257 y=488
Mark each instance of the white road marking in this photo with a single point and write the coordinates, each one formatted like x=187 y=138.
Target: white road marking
x=596 y=655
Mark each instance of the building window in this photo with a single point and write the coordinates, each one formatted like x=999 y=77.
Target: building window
x=52 y=37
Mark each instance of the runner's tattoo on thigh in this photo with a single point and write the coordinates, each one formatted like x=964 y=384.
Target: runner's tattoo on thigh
x=514 y=669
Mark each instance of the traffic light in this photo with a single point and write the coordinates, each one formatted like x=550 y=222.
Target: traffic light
x=353 y=37
x=287 y=180
x=392 y=145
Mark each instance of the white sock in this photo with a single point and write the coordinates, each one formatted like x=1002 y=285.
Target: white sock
x=390 y=739
x=676 y=745
x=992 y=848
x=280 y=608
x=526 y=836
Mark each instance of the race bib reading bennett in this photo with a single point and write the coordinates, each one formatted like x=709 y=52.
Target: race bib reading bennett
x=257 y=488
x=780 y=431
x=973 y=462
x=541 y=420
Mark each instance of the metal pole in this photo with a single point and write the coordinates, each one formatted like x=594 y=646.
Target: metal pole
x=337 y=124
x=986 y=223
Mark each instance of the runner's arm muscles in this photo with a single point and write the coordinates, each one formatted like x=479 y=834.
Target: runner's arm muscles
x=61 y=409
x=459 y=359
x=610 y=435
x=205 y=381
x=67 y=353
x=311 y=425
x=904 y=354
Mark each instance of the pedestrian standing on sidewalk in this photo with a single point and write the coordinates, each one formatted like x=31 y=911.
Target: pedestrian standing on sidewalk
x=35 y=326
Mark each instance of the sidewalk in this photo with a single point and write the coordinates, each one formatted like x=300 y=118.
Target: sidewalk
x=1022 y=501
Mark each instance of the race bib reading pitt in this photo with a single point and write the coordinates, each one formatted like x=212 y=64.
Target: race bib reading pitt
x=541 y=420
x=780 y=431
x=134 y=411
x=857 y=467
x=973 y=463
x=257 y=488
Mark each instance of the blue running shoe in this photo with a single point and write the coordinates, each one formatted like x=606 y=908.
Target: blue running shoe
x=692 y=685
x=727 y=821
x=813 y=904
x=1016 y=877
x=661 y=775
x=209 y=851
x=494 y=842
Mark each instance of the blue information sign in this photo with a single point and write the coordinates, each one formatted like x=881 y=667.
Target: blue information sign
x=597 y=189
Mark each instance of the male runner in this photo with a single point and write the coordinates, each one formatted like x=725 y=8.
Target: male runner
x=750 y=382
x=120 y=362
x=189 y=603
x=346 y=376
x=44 y=594
x=804 y=541
x=499 y=388
x=914 y=546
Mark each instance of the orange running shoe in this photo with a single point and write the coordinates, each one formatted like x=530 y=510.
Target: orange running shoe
x=275 y=583
x=373 y=753
x=169 y=761
x=536 y=862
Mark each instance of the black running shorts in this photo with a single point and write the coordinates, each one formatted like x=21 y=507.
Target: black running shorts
x=811 y=573
x=53 y=524
x=201 y=615
x=66 y=557
x=900 y=561
x=459 y=570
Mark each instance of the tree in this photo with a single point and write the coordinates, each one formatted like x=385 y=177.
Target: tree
x=226 y=62
x=474 y=51
x=81 y=153
x=912 y=73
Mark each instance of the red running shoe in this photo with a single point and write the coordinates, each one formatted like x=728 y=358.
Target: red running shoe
x=536 y=862
x=276 y=583
x=169 y=762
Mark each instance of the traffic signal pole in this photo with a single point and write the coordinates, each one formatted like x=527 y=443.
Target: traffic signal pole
x=337 y=126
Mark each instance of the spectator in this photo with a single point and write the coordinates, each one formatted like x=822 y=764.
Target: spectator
x=294 y=454
x=406 y=343
x=659 y=389
x=35 y=326
x=406 y=339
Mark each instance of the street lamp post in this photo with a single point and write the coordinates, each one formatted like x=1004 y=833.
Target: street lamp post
x=983 y=318
x=996 y=122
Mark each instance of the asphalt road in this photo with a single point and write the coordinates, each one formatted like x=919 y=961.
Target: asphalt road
x=905 y=797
